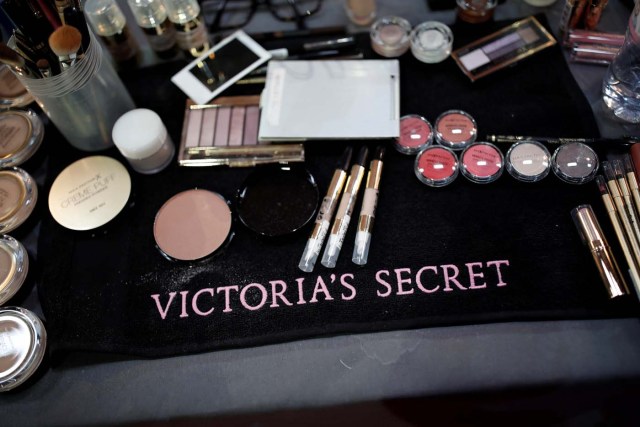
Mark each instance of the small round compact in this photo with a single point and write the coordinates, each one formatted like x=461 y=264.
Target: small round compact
x=22 y=133
x=482 y=163
x=14 y=266
x=12 y=93
x=192 y=225
x=436 y=166
x=18 y=196
x=23 y=341
x=455 y=129
x=416 y=133
x=275 y=201
x=528 y=161
x=575 y=163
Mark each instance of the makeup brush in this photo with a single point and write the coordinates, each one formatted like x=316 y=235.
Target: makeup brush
x=44 y=67
x=17 y=62
x=66 y=42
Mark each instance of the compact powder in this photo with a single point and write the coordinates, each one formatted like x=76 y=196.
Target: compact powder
x=390 y=36
x=415 y=134
x=18 y=196
x=89 y=193
x=528 y=161
x=482 y=163
x=21 y=133
x=277 y=200
x=575 y=163
x=436 y=166
x=12 y=92
x=22 y=346
x=14 y=265
x=455 y=129
x=192 y=224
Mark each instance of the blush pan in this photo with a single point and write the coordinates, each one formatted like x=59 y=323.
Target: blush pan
x=192 y=225
x=482 y=163
x=455 y=129
x=436 y=166
x=416 y=133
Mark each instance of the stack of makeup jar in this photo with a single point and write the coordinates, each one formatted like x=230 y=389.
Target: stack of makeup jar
x=22 y=334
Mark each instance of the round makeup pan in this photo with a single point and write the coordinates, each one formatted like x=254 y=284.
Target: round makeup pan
x=18 y=196
x=14 y=266
x=192 y=225
x=22 y=133
x=455 y=129
x=528 y=161
x=275 y=201
x=436 y=166
x=482 y=163
x=575 y=163
x=416 y=133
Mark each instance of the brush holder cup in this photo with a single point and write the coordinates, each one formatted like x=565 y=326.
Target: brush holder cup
x=83 y=101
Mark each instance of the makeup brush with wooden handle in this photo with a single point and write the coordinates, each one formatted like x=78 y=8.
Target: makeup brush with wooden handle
x=65 y=42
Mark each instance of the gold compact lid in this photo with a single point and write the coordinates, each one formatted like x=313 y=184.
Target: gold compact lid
x=18 y=196
x=22 y=346
x=21 y=134
x=14 y=266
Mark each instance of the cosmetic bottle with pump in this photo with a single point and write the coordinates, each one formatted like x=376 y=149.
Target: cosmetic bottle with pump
x=191 y=33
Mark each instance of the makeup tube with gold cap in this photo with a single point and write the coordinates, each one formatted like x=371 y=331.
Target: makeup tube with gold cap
x=614 y=191
x=368 y=210
x=345 y=209
x=592 y=236
x=323 y=220
x=609 y=205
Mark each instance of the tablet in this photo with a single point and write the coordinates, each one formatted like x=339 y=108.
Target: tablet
x=220 y=67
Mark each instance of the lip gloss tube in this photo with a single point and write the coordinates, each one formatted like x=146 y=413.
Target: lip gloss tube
x=594 y=37
x=323 y=220
x=617 y=227
x=592 y=236
x=368 y=210
x=343 y=217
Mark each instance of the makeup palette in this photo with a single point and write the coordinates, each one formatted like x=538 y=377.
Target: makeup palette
x=192 y=225
x=455 y=129
x=416 y=133
x=436 y=166
x=528 y=161
x=275 y=201
x=575 y=163
x=226 y=133
x=482 y=163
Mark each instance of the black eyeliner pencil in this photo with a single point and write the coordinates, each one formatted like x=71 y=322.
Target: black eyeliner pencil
x=510 y=139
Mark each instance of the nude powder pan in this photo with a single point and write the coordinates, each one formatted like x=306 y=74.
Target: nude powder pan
x=192 y=225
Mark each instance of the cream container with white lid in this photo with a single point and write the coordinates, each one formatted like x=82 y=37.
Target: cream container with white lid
x=23 y=342
x=143 y=140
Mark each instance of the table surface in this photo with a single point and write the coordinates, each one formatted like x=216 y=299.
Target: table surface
x=100 y=389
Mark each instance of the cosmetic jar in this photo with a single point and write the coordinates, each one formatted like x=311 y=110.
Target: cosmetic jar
x=21 y=133
x=575 y=163
x=143 y=140
x=416 y=133
x=12 y=92
x=455 y=129
x=476 y=11
x=528 y=161
x=431 y=42
x=89 y=193
x=192 y=225
x=360 y=12
x=278 y=200
x=390 y=36
x=109 y=22
x=14 y=266
x=18 y=196
x=482 y=163
x=23 y=341
x=436 y=166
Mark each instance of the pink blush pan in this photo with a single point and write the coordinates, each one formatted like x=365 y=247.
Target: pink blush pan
x=482 y=163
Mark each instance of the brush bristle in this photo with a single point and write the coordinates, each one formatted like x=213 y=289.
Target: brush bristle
x=65 y=41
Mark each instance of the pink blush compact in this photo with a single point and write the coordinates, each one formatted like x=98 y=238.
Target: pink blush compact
x=415 y=134
x=436 y=166
x=482 y=163
x=455 y=129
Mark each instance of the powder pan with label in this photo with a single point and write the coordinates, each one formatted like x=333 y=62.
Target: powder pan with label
x=21 y=134
x=275 y=201
x=23 y=340
x=575 y=163
x=528 y=161
x=436 y=166
x=482 y=163
x=14 y=266
x=192 y=225
x=455 y=129
x=416 y=133
x=89 y=193
x=12 y=92
x=18 y=196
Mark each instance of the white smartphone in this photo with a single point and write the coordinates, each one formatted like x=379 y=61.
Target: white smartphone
x=220 y=67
